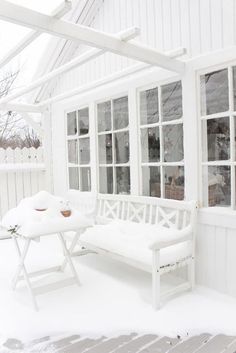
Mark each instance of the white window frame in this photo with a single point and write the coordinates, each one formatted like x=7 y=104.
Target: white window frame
x=112 y=132
x=159 y=124
x=231 y=114
x=78 y=137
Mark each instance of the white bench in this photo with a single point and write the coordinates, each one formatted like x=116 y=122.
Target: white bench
x=152 y=234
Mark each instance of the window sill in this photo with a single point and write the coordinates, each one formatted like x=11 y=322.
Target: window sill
x=217 y=216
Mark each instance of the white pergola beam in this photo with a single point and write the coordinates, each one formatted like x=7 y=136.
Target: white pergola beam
x=59 y=12
x=106 y=80
x=23 y=16
x=21 y=107
x=125 y=35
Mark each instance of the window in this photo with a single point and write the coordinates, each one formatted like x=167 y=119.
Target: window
x=218 y=97
x=78 y=147
x=113 y=146
x=161 y=136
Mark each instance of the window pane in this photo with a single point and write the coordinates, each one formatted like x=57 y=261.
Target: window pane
x=104 y=116
x=218 y=185
x=214 y=92
x=150 y=145
x=73 y=151
x=71 y=124
x=120 y=113
x=174 y=183
x=151 y=181
x=106 y=180
x=122 y=180
x=85 y=174
x=105 y=148
x=149 y=106
x=83 y=121
x=173 y=143
x=84 y=151
x=121 y=147
x=218 y=139
x=74 y=178
x=171 y=101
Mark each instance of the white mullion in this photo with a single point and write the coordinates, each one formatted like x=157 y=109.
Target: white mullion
x=113 y=149
x=162 y=179
x=216 y=115
x=232 y=136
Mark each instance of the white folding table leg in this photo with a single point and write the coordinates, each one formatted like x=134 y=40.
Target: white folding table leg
x=68 y=258
x=71 y=248
x=22 y=268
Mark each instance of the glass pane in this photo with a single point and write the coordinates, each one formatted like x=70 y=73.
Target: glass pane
x=174 y=183
x=218 y=139
x=84 y=151
x=218 y=185
x=121 y=147
x=120 y=113
x=104 y=116
x=150 y=145
x=85 y=174
x=74 y=178
x=149 y=111
x=73 y=151
x=83 y=121
x=214 y=92
x=173 y=143
x=71 y=124
x=106 y=180
x=122 y=180
x=105 y=148
x=171 y=101
x=151 y=181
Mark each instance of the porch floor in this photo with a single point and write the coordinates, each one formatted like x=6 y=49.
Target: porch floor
x=113 y=300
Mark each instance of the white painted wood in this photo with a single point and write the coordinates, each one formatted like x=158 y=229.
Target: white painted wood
x=29 y=18
x=156 y=285
x=21 y=107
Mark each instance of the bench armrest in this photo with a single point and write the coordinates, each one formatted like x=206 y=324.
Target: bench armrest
x=173 y=239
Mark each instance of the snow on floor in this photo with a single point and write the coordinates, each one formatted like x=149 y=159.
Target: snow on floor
x=113 y=299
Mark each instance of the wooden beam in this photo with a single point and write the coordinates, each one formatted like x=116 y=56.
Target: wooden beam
x=59 y=12
x=125 y=35
x=106 y=80
x=23 y=16
x=21 y=107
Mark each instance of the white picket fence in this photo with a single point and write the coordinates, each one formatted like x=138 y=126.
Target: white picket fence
x=22 y=174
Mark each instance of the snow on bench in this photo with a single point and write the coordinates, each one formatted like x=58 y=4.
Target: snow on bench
x=152 y=234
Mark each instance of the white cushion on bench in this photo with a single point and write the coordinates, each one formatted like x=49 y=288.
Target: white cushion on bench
x=133 y=240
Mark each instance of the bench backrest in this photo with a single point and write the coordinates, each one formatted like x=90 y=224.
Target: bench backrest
x=168 y=213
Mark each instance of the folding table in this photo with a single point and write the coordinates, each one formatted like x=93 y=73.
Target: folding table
x=35 y=228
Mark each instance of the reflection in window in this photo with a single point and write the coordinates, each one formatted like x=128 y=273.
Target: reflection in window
x=85 y=179
x=104 y=116
x=120 y=113
x=73 y=151
x=218 y=185
x=218 y=139
x=74 y=178
x=106 y=180
x=174 y=182
x=173 y=143
x=171 y=101
x=214 y=92
x=84 y=151
x=151 y=181
x=122 y=180
x=150 y=145
x=71 y=124
x=122 y=147
x=105 y=149
x=149 y=106
x=83 y=121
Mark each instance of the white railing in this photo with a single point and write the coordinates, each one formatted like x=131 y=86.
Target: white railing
x=22 y=174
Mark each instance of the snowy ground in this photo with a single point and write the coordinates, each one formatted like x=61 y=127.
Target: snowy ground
x=113 y=299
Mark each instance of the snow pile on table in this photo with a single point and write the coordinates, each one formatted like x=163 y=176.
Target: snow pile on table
x=134 y=240
x=40 y=215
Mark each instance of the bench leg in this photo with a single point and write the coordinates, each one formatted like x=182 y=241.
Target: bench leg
x=156 y=288
x=191 y=273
